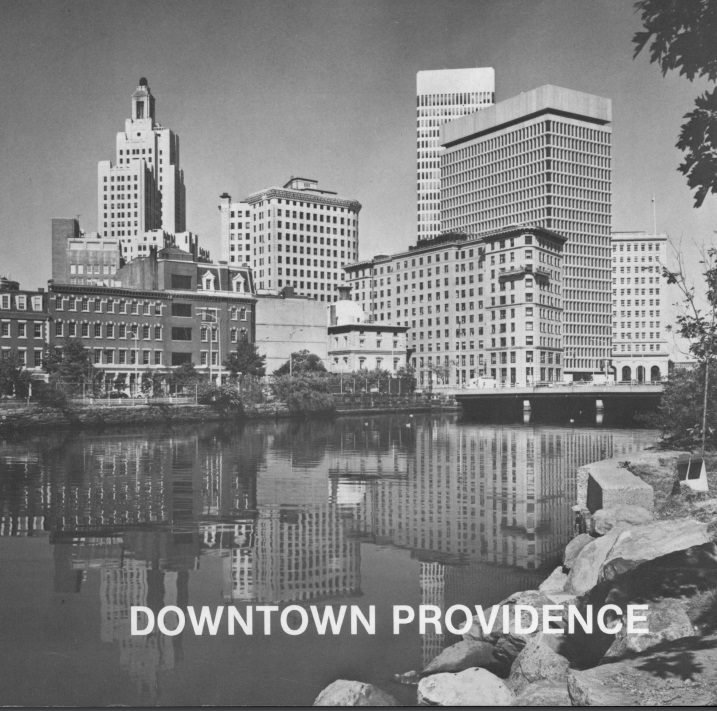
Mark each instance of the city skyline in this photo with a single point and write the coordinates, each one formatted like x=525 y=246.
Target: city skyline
x=341 y=110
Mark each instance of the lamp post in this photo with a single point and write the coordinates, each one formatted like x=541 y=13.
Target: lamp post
x=291 y=355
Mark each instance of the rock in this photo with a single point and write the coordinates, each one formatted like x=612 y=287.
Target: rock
x=678 y=673
x=409 y=678
x=573 y=549
x=588 y=688
x=635 y=546
x=473 y=687
x=586 y=567
x=461 y=656
x=537 y=662
x=544 y=693
x=604 y=520
x=353 y=693
x=666 y=621
x=609 y=483
x=555 y=582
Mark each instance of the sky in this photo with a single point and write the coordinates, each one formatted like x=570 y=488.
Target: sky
x=262 y=91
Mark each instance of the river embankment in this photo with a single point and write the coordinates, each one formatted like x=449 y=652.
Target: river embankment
x=100 y=415
x=644 y=547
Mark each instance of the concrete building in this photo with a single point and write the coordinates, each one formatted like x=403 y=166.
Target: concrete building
x=354 y=343
x=143 y=191
x=542 y=158
x=287 y=323
x=82 y=258
x=160 y=311
x=487 y=304
x=297 y=235
x=442 y=95
x=23 y=324
x=640 y=350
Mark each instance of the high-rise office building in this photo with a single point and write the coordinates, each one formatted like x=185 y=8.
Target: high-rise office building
x=442 y=95
x=143 y=191
x=543 y=158
x=639 y=306
x=297 y=235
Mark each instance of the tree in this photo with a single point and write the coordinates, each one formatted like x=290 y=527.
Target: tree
x=71 y=368
x=698 y=325
x=442 y=371
x=305 y=392
x=682 y=36
x=246 y=360
x=14 y=378
x=301 y=362
x=184 y=376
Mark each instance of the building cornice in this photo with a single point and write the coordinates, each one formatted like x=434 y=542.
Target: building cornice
x=268 y=193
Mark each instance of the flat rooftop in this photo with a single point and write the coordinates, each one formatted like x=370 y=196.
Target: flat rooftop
x=455 y=81
x=544 y=99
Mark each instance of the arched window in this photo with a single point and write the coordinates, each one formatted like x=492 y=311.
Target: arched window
x=238 y=283
x=655 y=374
x=208 y=281
x=626 y=373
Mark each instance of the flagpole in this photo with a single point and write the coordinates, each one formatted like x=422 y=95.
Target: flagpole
x=654 y=216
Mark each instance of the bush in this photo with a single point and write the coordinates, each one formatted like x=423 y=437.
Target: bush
x=51 y=395
x=305 y=393
x=225 y=399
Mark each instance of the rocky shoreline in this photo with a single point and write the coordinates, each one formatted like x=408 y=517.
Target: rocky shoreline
x=634 y=550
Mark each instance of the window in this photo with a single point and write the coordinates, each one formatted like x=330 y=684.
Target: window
x=182 y=310
x=5 y=329
x=179 y=358
x=158 y=357
x=181 y=334
x=158 y=333
x=5 y=301
x=110 y=332
x=21 y=330
x=179 y=281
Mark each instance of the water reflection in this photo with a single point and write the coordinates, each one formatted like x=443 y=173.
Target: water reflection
x=294 y=512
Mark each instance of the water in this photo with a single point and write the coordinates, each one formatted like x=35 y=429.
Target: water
x=388 y=510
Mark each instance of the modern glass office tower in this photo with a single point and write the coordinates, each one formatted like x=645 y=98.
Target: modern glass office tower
x=442 y=95
x=543 y=158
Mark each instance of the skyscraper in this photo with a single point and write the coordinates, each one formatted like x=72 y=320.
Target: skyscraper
x=442 y=95
x=144 y=190
x=296 y=235
x=543 y=158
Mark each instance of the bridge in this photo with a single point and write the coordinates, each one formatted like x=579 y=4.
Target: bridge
x=571 y=401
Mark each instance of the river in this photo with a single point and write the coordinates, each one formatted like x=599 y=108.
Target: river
x=370 y=511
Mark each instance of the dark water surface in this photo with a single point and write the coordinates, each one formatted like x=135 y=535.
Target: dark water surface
x=388 y=510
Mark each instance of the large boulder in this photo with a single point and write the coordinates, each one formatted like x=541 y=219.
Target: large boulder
x=678 y=673
x=666 y=620
x=603 y=520
x=584 y=574
x=353 y=693
x=461 y=656
x=555 y=582
x=635 y=546
x=472 y=687
x=588 y=688
x=537 y=662
x=572 y=550
x=545 y=693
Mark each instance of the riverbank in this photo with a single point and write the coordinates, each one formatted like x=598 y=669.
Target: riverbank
x=645 y=541
x=101 y=415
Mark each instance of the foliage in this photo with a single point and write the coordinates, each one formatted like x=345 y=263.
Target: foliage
x=51 y=395
x=184 y=377
x=681 y=35
x=225 y=399
x=304 y=393
x=680 y=412
x=246 y=360
x=442 y=371
x=70 y=367
x=152 y=382
x=252 y=389
x=302 y=362
x=14 y=378
x=382 y=381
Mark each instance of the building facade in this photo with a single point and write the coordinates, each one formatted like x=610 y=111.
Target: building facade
x=543 y=158
x=297 y=236
x=143 y=191
x=639 y=306
x=442 y=95
x=484 y=305
x=23 y=324
x=161 y=311
x=287 y=323
x=80 y=258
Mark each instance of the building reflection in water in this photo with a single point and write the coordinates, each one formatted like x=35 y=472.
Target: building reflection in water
x=287 y=508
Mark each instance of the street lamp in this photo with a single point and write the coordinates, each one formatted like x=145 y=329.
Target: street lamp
x=291 y=355
x=206 y=315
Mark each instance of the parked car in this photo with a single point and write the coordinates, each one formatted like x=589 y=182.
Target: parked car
x=117 y=395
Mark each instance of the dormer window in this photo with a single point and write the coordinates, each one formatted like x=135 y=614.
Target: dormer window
x=208 y=281
x=238 y=283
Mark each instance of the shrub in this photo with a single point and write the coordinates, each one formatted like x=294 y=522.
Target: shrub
x=305 y=393
x=225 y=399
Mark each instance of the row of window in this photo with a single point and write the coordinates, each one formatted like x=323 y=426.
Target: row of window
x=19 y=302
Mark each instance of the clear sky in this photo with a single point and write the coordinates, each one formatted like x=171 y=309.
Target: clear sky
x=261 y=91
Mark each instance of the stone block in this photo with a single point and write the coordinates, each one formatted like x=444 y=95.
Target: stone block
x=606 y=484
